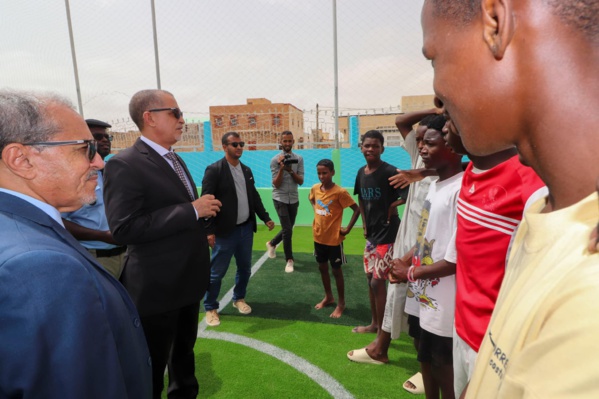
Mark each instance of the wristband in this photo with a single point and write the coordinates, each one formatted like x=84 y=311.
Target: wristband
x=410 y=274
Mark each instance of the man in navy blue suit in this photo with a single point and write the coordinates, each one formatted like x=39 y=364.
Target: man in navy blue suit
x=68 y=329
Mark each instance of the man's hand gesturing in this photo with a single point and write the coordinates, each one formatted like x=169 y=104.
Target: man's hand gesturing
x=207 y=206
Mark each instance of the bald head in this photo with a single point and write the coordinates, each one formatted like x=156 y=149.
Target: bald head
x=142 y=101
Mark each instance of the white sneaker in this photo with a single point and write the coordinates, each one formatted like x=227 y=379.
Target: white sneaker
x=212 y=318
x=289 y=266
x=271 y=250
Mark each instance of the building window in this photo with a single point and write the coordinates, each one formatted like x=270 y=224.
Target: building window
x=276 y=120
x=218 y=121
x=232 y=120
x=252 y=120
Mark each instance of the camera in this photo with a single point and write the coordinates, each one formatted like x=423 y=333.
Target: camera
x=288 y=160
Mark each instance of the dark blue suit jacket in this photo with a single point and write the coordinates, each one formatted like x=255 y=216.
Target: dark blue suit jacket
x=68 y=329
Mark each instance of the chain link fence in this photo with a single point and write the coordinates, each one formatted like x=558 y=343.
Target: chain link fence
x=255 y=66
x=220 y=53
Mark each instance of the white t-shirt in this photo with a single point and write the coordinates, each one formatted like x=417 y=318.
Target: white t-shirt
x=434 y=300
x=408 y=229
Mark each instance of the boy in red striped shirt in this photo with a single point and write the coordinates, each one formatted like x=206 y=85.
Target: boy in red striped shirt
x=495 y=191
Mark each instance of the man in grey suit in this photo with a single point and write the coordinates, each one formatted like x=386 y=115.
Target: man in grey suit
x=68 y=329
x=153 y=207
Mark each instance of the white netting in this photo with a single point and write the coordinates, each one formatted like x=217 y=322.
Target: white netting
x=221 y=53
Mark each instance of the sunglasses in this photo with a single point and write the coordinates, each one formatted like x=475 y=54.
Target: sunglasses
x=237 y=144
x=177 y=113
x=101 y=136
x=91 y=145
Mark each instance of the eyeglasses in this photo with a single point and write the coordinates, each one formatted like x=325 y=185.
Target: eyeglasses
x=91 y=145
x=177 y=113
x=237 y=143
x=101 y=136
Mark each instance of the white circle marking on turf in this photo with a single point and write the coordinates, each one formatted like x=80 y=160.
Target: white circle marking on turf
x=318 y=375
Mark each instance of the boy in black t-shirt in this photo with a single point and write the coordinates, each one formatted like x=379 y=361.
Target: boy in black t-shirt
x=378 y=207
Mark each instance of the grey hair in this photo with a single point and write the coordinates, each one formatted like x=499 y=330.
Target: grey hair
x=24 y=117
x=142 y=101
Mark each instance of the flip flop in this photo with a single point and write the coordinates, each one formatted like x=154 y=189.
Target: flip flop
x=416 y=380
x=361 y=356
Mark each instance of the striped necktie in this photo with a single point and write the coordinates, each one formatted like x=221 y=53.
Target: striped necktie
x=180 y=173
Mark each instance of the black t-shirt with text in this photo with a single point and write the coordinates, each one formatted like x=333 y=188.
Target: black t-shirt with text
x=377 y=195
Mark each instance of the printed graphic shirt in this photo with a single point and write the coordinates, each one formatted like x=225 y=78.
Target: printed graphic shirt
x=433 y=300
x=408 y=228
x=328 y=213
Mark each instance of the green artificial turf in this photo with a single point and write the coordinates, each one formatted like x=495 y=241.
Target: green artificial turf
x=284 y=316
x=323 y=345
x=228 y=370
x=304 y=242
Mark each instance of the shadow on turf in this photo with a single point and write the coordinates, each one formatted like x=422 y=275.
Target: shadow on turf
x=294 y=312
x=274 y=294
x=210 y=383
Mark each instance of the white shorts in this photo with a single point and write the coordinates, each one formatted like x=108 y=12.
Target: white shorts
x=464 y=358
x=395 y=320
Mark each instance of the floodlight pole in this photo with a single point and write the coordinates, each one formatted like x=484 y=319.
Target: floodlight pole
x=159 y=86
x=336 y=67
x=74 y=57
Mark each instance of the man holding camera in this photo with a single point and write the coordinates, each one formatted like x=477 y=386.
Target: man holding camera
x=287 y=170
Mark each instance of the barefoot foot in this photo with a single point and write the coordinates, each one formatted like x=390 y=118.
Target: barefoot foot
x=365 y=329
x=325 y=302
x=337 y=312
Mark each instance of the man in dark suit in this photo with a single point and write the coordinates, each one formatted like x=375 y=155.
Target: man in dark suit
x=68 y=329
x=153 y=207
x=231 y=232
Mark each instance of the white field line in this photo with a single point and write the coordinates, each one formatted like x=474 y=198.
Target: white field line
x=318 y=375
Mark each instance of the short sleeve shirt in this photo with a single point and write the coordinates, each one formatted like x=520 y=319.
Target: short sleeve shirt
x=377 y=195
x=328 y=213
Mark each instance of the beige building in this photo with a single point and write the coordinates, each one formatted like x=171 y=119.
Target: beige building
x=192 y=139
x=259 y=122
x=385 y=123
x=417 y=103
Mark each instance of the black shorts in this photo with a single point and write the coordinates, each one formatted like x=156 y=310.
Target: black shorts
x=435 y=349
x=432 y=348
x=414 y=329
x=333 y=254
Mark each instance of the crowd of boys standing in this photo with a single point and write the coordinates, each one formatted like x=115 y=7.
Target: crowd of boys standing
x=534 y=336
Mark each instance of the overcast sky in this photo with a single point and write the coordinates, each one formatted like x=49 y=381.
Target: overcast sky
x=217 y=52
